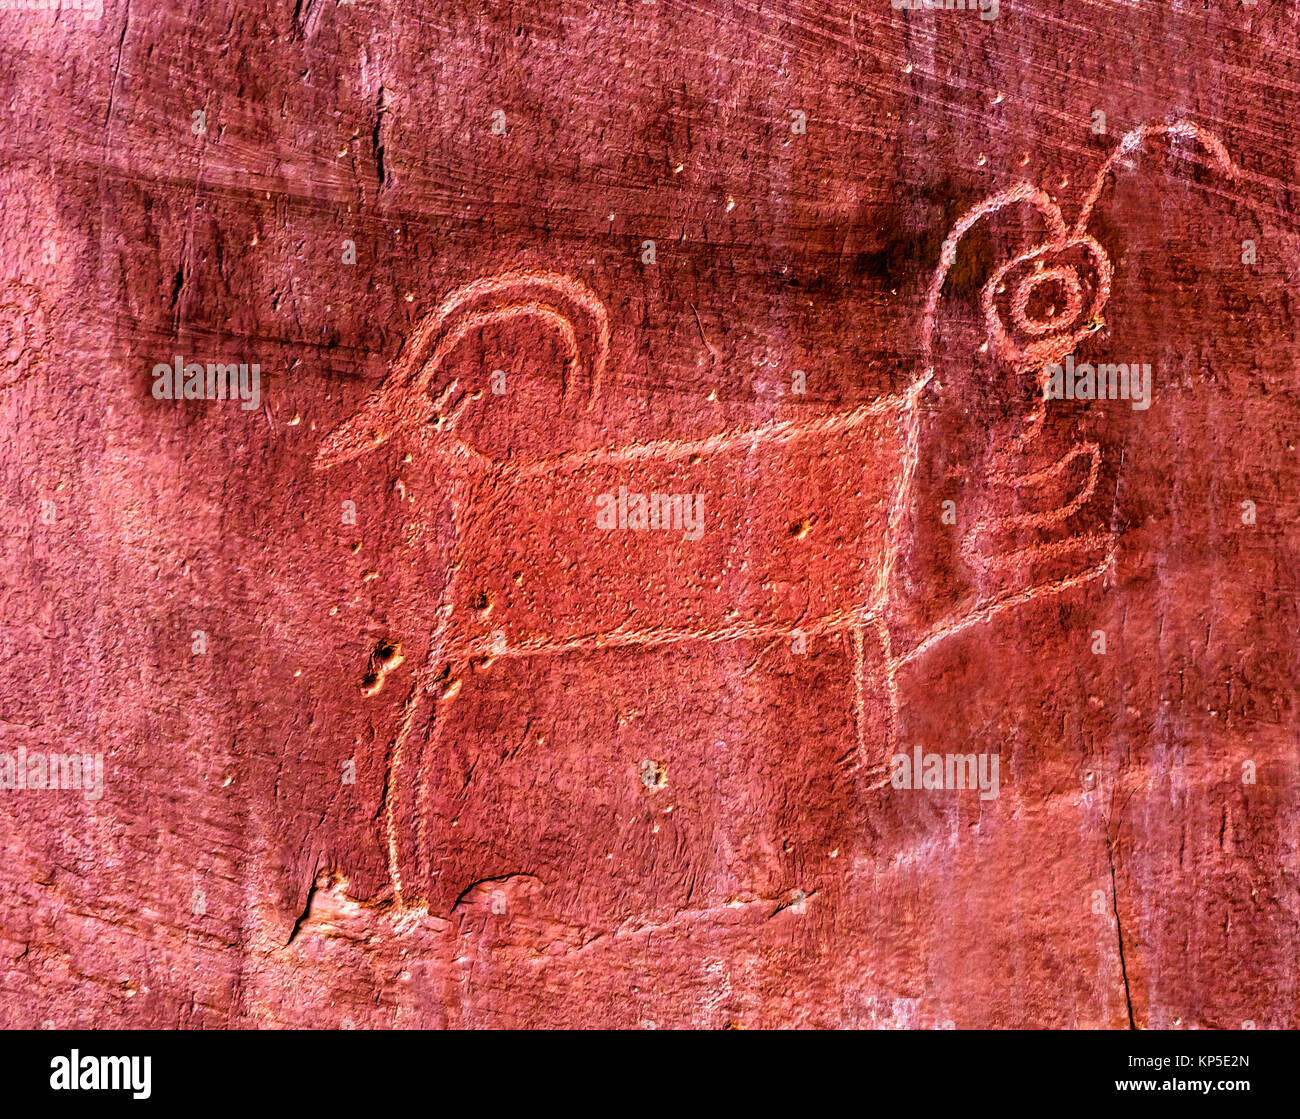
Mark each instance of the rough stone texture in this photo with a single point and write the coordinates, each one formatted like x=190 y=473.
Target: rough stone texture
x=665 y=813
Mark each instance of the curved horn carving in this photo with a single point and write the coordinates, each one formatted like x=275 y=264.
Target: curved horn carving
x=404 y=399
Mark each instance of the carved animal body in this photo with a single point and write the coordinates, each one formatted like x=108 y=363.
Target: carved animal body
x=525 y=535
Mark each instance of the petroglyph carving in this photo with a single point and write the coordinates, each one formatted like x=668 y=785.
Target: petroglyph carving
x=879 y=441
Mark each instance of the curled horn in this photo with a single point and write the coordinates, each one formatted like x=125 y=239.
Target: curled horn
x=1021 y=192
x=1131 y=141
x=404 y=400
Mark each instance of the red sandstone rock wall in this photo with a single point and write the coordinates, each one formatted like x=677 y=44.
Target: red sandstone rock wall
x=394 y=734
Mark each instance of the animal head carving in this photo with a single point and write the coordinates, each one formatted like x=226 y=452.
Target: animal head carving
x=406 y=400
